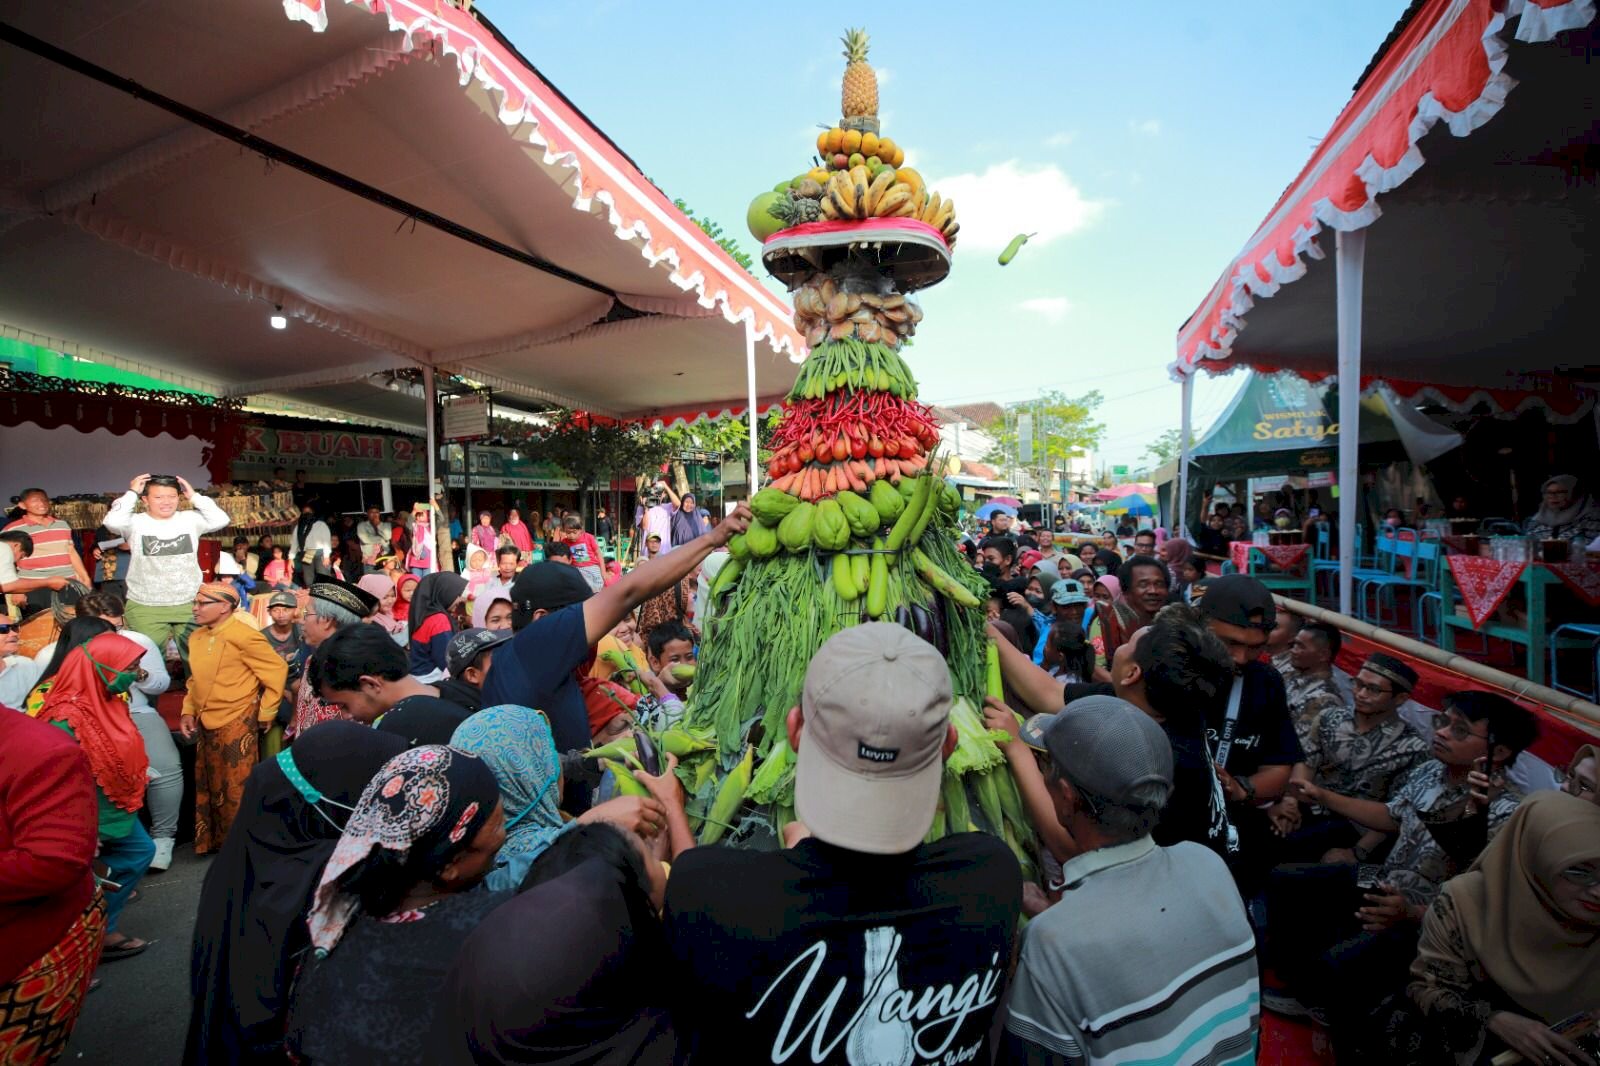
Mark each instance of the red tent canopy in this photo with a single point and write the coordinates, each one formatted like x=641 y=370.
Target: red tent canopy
x=1475 y=128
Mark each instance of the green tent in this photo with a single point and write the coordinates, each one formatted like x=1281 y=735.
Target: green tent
x=1282 y=424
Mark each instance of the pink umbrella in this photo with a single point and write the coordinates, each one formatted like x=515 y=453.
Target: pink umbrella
x=1143 y=488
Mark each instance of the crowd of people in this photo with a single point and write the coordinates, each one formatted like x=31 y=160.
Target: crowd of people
x=414 y=861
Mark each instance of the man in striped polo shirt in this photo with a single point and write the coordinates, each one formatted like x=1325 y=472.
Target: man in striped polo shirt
x=1147 y=954
x=54 y=554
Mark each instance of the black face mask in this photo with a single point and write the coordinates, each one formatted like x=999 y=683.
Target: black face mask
x=990 y=571
x=1036 y=602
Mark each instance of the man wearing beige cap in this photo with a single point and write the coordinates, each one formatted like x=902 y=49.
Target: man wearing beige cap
x=1149 y=949
x=860 y=944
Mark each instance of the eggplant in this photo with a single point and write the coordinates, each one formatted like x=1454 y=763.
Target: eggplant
x=941 y=626
x=649 y=755
x=922 y=622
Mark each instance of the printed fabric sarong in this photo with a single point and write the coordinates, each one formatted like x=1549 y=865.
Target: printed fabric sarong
x=39 y=1008
x=223 y=759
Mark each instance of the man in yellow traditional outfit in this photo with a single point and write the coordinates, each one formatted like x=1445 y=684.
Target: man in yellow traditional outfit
x=235 y=683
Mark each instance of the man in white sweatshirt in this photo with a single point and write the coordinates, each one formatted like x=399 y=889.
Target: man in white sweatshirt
x=164 y=571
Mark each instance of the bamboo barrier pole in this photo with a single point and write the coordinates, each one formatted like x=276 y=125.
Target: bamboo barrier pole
x=1581 y=711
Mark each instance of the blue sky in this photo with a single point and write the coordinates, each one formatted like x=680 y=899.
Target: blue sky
x=1143 y=140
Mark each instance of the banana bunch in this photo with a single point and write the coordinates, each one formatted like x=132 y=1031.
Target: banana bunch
x=941 y=215
x=856 y=194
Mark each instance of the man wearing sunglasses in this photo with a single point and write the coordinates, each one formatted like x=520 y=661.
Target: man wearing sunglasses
x=18 y=674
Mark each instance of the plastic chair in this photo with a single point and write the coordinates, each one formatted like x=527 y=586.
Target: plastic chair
x=1576 y=635
x=1422 y=559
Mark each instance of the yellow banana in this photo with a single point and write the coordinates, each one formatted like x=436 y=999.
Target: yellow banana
x=843 y=195
x=861 y=201
x=930 y=209
x=830 y=209
x=892 y=200
x=880 y=187
x=947 y=212
x=860 y=176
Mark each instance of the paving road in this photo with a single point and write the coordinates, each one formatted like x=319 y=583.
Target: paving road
x=141 y=1009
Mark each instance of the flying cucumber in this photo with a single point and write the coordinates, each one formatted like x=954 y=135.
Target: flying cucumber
x=1014 y=247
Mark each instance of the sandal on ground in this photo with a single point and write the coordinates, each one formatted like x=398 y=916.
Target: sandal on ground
x=134 y=897
x=126 y=948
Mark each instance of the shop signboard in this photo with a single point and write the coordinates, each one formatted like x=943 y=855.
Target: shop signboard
x=329 y=454
x=466 y=418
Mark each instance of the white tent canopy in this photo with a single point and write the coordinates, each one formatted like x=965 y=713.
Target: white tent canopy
x=559 y=273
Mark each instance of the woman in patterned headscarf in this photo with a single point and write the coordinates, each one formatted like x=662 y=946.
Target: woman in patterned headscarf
x=392 y=907
x=516 y=743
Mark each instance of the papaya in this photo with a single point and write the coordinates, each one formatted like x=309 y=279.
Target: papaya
x=772 y=506
x=887 y=501
x=794 y=532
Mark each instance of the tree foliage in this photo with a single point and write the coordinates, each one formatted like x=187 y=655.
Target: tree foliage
x=1165 y=448
x=594 y=451
x=1063 y=427
x=714 y=231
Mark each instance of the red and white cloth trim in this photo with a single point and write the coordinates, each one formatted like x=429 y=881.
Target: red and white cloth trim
x=1283 y=556
x=1583 y=580
x=637 y=210
x=1447 y=65
x=1484 y=583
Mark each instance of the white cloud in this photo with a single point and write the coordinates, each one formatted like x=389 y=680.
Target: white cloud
x=1050 y=308
x=1060 y=139
x=1009 y=198
x=1148 y=127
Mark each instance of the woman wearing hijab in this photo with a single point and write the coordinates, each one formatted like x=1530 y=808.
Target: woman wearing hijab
x=430 y=623
x=87 y=700
x=1565 y=513
x=382 y=587
x=405 y=586
x=1105 y=634
x=250 y=929
x=51 y=916
x=76 y=633
x=521 y=536
x=392 y=907
x=569 y=971
x=1175 y=553
x=1512 y=946
x=1583 y=774
x=517 y=745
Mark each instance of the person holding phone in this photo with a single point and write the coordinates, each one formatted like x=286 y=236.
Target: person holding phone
x=1368 y=914
x=164 y=568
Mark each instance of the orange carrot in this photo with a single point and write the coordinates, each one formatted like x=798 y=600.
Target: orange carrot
x=783 y=483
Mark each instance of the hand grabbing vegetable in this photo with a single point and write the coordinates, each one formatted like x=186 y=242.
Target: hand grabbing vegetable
x=997 y=715
x=738 y=521
x=644 y=815
x=664 y=786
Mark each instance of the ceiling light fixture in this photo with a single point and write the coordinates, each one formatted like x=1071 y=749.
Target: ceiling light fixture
x=277 y=320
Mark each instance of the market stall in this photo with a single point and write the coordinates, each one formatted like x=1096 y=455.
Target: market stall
x=307 y=203
x=1459 y=185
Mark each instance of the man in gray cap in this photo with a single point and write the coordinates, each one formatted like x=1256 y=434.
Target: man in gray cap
x=1149 y=946
x=860 y=943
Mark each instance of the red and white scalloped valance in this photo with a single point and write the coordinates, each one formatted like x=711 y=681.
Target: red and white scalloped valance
x=688 y=416
x=637 y=210
x=1447 y=65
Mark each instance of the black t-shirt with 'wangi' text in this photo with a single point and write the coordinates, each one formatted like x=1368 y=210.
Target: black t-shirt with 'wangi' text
x=818 y=955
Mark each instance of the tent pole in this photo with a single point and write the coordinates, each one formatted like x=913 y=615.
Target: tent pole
x=1181 y=506
x=750 y=385
x=1349 y=257
x=430 y=400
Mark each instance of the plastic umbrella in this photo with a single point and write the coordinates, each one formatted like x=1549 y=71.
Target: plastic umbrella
x=994 y=507
x=1008 y=501
x=1131 y=504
